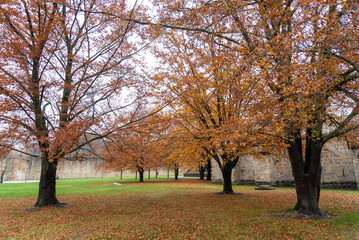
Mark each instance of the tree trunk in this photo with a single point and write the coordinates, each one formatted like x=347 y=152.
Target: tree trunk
x=2 y=174
x=47 y=185
x=227 y=180
x=141 y=176
x=149 y=174
x=209 y=169
x=230 y=162
x=140 y=171
x=201 y=171
x=176 y=169
x=306 y=173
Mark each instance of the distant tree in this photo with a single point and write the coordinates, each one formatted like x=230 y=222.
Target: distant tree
x=201 y=170
x=205 y=166
x=135 y=147
x=176 y=153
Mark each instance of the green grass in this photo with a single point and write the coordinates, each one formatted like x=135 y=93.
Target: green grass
x=69 y=186
x=168 y=209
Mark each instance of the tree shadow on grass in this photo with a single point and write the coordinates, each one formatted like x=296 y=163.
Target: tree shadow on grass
x=229 y=193
x=36 y=209
x=293 y=214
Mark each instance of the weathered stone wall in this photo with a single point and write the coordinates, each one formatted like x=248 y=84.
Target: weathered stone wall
x=22 y=166
x=340 y=168
x=341 y=164
x=19 y=167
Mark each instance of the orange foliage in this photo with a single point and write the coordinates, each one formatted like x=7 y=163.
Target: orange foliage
x=136 y=147
x=217 y=96
x=304 y=55
x=62 y=67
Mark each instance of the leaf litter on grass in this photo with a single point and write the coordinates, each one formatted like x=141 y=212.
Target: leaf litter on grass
x=177 y=210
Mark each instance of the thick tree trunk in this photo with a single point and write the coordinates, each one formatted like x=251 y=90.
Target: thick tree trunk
x=140 y=171
x=201 y=171
x=227 y=180
x=141 y=176
x=306 y=173
x=47 y=185
x=226 y=162
x=209 y=169
x=176 y=169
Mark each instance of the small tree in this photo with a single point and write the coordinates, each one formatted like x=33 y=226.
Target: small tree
x=135 y=147
x=205 y=165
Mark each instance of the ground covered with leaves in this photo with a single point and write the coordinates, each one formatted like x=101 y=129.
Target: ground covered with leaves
x=185 y=209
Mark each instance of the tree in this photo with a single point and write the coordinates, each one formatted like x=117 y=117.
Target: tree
x=135 y=147
x=201 y=170
x=176 y=152
x=179 y=151
x=205 y=164
x=310 y=68
x=331 y=103
x=215 y=97
x=61 y=67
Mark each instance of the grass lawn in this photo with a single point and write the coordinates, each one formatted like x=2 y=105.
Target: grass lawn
x=168 y=209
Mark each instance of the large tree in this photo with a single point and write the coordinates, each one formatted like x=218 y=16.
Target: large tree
x=309 y=62
x=61 y=65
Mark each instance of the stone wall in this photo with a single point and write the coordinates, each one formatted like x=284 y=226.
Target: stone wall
x=340 y=168
x=24 y=167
